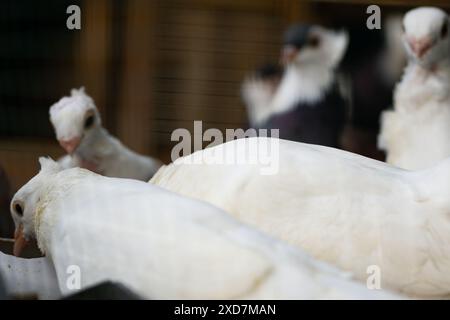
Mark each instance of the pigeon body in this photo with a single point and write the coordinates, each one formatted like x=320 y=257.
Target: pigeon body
x=78 y=128
x=161 y=245
x=342 y=208
x=416 y=133
x=307 y=94
x=320 y=124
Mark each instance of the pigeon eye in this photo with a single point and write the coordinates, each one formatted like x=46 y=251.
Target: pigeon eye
x=313 y=41
x=18 y=209
x=89 y=122
x=444 y=30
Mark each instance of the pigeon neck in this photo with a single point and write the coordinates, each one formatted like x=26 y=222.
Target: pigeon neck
x=100 y=134
x=445 y=64
x=433 y=67
x=93 y=147
x=44 y=219
x=422 y=86
x=52 y=203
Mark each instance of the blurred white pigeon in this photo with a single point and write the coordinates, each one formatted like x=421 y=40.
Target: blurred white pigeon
x=78 y=128
x=25 y=277
x=416 y=133
x=342 y=208
x=160 y=244
x=307 y=105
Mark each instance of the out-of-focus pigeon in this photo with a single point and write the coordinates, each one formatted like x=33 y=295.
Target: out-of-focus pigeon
x=416 y=133
x=307 y=105
x=343 y=208
x=78 y=128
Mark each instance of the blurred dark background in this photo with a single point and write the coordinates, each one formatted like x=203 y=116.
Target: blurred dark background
x=155 y=66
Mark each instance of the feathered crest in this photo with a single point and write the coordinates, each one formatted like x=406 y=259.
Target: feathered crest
x=79 y=95
x=83 y=95
x=78 y=92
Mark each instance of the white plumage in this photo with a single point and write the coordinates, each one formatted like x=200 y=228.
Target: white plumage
x=416 y=133
x=340 y=207
x=29 y=277
x=77 y=124
x=162 y=245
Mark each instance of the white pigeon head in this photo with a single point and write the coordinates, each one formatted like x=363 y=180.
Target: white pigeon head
x=25 y=204
x=313 y=45
x=426 y=35
x=74 y=119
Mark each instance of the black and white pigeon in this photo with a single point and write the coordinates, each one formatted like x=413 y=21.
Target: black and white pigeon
x=307 y=104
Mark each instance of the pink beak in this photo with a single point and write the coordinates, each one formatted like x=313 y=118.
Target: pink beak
x=420 y=47
x=70 y=145
x=19 y=241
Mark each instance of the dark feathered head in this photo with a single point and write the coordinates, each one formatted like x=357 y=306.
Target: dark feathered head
x=307 y=44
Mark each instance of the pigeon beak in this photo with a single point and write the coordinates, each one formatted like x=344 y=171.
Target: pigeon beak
x=288 y=54
x=19 y=241
x=70 y=145
x=420 y=47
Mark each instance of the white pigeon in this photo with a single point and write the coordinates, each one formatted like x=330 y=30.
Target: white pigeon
x=162 y=245
x=416 y=133
x=307 y=105
x=78 y=128
x=342 y=208
x=24 y=277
